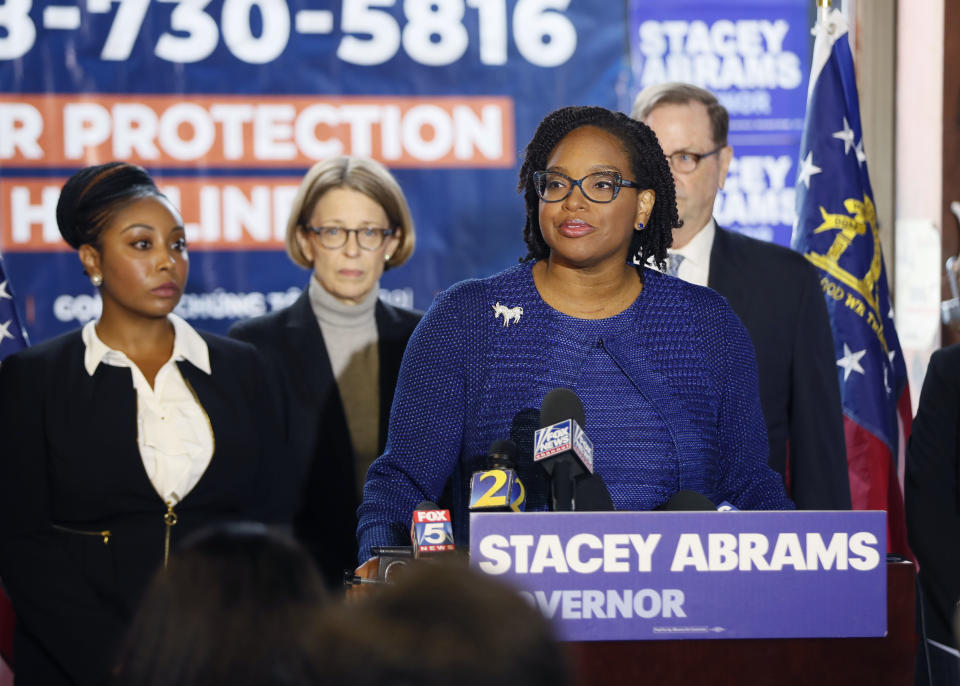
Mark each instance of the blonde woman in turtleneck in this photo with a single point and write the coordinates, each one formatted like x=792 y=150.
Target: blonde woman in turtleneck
x=335 y=353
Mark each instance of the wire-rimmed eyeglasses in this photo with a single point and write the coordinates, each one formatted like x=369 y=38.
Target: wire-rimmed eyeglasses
x=597 y=187
x=333 y=237
x=684 y=161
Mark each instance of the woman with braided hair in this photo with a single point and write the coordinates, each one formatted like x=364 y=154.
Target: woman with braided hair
x=123 y=437
x=665 y=369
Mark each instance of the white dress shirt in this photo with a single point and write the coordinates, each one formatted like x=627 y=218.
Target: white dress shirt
x=173 y=430
x=695 y=267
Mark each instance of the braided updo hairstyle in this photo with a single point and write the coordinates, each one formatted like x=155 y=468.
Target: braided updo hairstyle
x=647 y=162
x=91 y=196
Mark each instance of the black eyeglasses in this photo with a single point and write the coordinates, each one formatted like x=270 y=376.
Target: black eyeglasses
x=685 y=162
x=597 y=187
x=333 y=237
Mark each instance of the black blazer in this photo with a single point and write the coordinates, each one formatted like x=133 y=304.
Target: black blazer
x=932 y=492
x=777 y=295
x=292 y=344
x=70 y=467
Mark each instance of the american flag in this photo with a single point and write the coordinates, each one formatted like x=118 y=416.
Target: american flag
x=13 y=337
x=837 y=231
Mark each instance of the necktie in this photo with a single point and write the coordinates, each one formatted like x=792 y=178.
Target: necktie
x=673 y=263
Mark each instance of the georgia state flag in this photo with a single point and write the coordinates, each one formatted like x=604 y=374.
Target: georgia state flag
x=837 y=231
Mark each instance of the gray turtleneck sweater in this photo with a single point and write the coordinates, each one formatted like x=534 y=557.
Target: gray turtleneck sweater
x=350 y=334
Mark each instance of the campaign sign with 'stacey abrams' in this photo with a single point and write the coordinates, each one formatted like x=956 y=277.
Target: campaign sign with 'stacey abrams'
x=667 y=575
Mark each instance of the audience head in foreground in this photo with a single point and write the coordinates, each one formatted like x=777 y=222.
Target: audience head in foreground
x=235 y=606
x=441 y=623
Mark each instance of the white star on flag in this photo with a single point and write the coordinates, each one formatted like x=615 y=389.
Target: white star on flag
x=5 y=330
x=3 y=291
x=850 y=361
x=846 y=135
x=858 y=151
x=807 y=169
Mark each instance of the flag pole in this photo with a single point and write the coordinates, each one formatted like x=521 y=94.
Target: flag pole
x=823 y=6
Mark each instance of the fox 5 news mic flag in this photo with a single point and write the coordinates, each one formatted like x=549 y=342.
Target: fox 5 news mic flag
x=431 y=531
x=837 y=231
x=12 y=334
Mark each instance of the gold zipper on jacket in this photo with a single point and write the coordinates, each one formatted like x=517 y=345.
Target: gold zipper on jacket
x=170 y=517
x=169 y=520
x=105 y=534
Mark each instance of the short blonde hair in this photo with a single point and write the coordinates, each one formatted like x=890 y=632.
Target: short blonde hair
x=360 y=174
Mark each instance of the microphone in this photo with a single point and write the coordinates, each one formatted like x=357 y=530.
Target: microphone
x=431 y=530
x=687 y=501
x=590 y=494
x=498 y=489
x=561 y=446
x=393 y=558
x=522 y=428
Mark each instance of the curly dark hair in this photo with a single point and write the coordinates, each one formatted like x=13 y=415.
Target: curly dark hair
x=647 y=161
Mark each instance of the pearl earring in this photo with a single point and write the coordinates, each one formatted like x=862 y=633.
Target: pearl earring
x=96 y=280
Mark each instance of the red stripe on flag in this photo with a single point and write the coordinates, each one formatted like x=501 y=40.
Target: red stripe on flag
x=905 y=417
x=905 y=426
x=7 y=620
x=874 y=484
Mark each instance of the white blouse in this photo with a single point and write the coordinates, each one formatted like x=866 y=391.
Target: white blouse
x=173 y=431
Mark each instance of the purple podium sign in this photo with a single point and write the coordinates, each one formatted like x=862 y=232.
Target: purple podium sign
x=603 y=576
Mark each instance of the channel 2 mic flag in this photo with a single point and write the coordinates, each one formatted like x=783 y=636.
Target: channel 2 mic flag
x=13 y=337
x=837 y=231
x=497 y=490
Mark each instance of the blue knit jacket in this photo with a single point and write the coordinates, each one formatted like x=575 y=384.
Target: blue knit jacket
x=669 y=388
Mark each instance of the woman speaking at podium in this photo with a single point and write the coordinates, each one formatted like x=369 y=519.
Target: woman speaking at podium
x=122 y=438
x=665 y=369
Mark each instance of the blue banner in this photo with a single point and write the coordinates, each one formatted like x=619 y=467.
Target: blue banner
x=755 y=56
x=229 y=102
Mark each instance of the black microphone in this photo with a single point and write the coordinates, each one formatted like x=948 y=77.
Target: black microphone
x=687 y=501
x=498 y=488
x=561 y=446
x=522 y=429
x=590 y=494
x=393 y=558
x=431 y=532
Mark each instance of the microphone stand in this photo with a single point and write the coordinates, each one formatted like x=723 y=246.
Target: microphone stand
x=561 y=483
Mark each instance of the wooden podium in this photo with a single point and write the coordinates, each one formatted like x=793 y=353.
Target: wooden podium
x=821 y=661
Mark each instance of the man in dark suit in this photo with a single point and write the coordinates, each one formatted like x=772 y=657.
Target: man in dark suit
x=932 y=491
x=773 y=290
